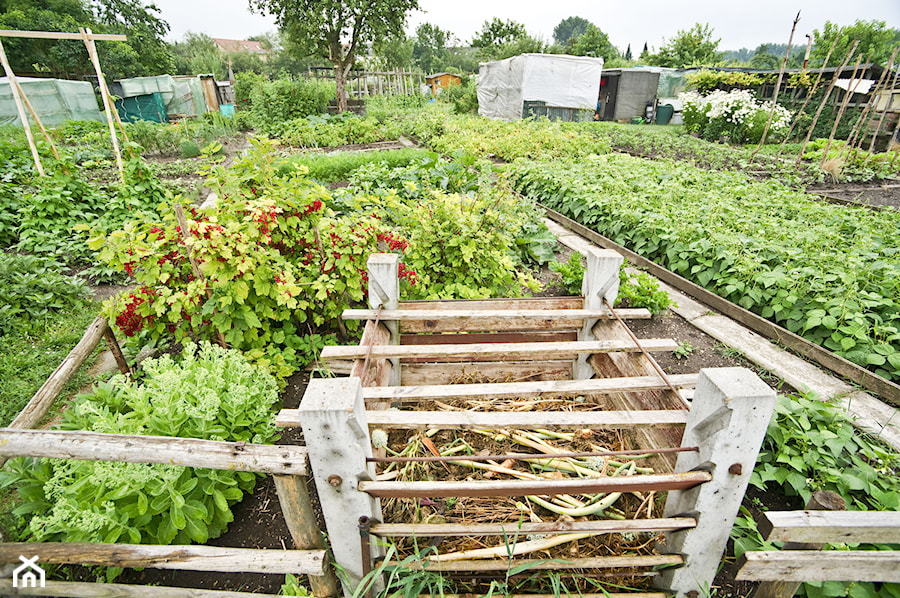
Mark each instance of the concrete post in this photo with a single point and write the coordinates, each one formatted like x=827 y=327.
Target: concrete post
x=601 y=281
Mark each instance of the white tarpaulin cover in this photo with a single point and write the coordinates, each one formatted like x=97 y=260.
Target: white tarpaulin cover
x=559 y=80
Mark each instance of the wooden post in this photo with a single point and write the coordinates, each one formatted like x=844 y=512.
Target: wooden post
x=14 y=88
x=87 y=36
x=819 y=501
x=384 y=291
x=116 y=350
x=600 y=282
x=864 y=119
x=809 y=94
x=300 y=517
x=333 y=418
x=850 y=86
x=890 y=101
x=728 y=420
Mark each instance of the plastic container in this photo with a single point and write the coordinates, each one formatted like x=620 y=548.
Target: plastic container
x=664 y=113
x=226 y=110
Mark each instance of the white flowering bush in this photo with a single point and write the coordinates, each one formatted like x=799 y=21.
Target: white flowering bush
x=208 y=393
x=735 y=116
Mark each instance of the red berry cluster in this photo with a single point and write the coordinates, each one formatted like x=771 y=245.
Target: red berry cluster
x=395 y=243
x=411 y=277
x=129 y=321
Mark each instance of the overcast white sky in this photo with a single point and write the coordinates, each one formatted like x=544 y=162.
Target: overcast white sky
x=739 y=24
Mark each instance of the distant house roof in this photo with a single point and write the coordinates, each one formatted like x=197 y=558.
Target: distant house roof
x=239 y=45
x=436 y=75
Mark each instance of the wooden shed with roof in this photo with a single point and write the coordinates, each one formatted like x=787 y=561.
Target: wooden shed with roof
x=441 y=81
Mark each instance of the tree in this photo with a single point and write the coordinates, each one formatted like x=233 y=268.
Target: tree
x=430 y=47
x=694 y=47
x=496 y=34
x=145 y=52
x=628 y=55
x=569 y=28
x=592 y=42
x=395 y=53
x=874 y=36
x=336 y=30
x=764 y=58
x=645 y=53
x=198 y=53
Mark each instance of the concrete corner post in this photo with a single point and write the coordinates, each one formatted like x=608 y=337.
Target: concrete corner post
x=601 y=281
x=729 y=415
x=333 y=417
x=384 y=291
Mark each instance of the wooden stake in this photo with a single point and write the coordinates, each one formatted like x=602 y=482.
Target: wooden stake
x=840 y=114
x=384 y=292
x=116 y=350
x=852 y=146
x=787 y=54
x=14 y=87
x=809 y=96
x=728 y=420
x=890 y=100
x=831 y=86
x=87 y=36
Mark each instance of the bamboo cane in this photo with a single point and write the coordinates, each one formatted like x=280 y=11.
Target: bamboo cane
x=890 y=101
x=13 y=86
x=852 y=146
x=844 y=104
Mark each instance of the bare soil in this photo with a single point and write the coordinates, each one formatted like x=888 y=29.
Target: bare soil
x=885 y=194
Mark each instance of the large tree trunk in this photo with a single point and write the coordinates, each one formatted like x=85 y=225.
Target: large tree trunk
x=340 y=80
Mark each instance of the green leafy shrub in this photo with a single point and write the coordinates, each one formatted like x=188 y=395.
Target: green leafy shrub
x=332 y=131
x=463 y=98
x=208 y=393
x=276 y=102
x=189 y=149
x=279 y=265
x=735 y=116
x=337 y=166
x=642 y=290
x=33 y=288
x=244 y=84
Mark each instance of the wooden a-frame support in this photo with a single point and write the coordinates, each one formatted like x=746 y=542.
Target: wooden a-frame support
x=19 y=98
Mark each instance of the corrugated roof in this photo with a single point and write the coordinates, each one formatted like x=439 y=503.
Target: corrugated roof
x=239 y=45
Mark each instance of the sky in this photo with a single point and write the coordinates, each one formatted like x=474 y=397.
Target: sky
x=738 y=24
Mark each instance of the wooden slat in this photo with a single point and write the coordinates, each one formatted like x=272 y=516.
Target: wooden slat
x=528 y=389
x=819 y=565
x=493 y=420
x=500 y=350
x=107 y=37
x=851 y=527
x=186 y=557
x=456 y=320
x=378 y=370
x=503 y=303
x=521 y=529
x=82 y=589
x=559 y=336
x=448 y=373
x=602 y=562
x=189 y=452
x=640 y=483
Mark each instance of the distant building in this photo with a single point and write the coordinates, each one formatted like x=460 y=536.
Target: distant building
x=441 y=81
x=241 y=45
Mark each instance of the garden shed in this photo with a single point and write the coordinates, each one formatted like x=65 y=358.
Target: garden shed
x=554 y=85
x=441 y=81
x=625 y=93
x=54 y=100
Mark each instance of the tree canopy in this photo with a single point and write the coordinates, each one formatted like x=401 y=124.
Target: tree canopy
x=592 y=42
x=496 y=37
x=568 y=28
x=874 y=37
x=337 y=30
x=145 y=52
x=430 y=47
x=694 y=47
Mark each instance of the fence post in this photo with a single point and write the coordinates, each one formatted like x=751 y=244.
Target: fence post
x=300 y=517
x=333 y=418
x=384 y=291
x=600 y=282
x=729 y=415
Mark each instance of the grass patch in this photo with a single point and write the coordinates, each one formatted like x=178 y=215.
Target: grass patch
x=29 y=355
x=337 y=166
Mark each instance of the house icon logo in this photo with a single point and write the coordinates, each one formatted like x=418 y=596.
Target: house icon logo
x=28 y=574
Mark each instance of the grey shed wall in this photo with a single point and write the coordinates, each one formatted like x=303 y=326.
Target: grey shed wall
x=636 y=88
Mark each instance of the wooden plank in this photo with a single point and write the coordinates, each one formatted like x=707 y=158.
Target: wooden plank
x=502 y=303
x=638 y=483
x=601 y=562
x=378 y=371
x=850 y=527
x=189 y=452
x=527 y=389
x=489 y=337
x=819 y=565
x=606 y=526
x=498 y=350
x=81 y=589
x=517 y=371
x=412 y=321
x=185 y=557
x=857 y=374
x=100 y=37
x=493 y=420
